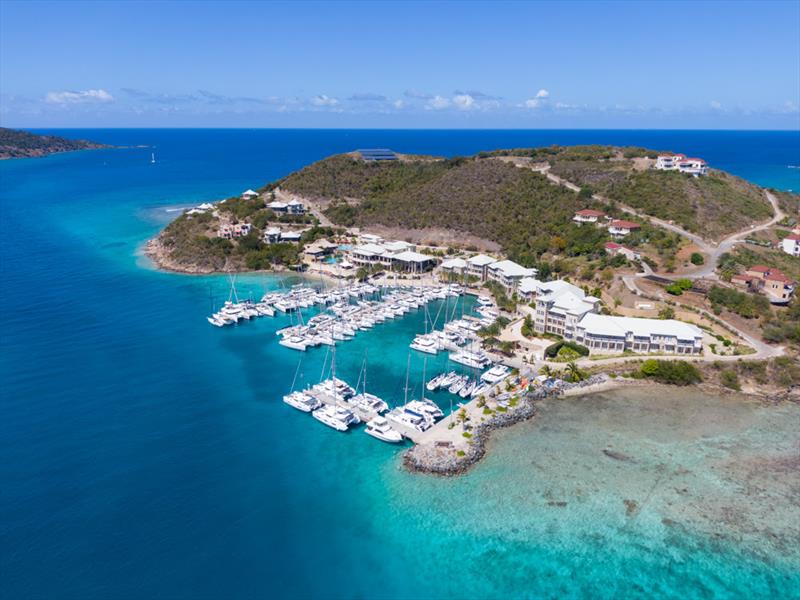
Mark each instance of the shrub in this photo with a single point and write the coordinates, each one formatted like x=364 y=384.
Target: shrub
x=673 y=372
x=697 y=258
x=552 y=350
x=730 y=379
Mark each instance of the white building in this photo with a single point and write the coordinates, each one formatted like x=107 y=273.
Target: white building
x=397 y=255
x=477 y=265
x=293 y=207
x=608 y=334
x=679 y=162
x=791 y=244
x=272 y=235
x=559 y=307
x=588 y=216
x=249 y=195
x=508 y=274
x=620 y=228
x=528 y=288
x=629 y=253
x=457 y=266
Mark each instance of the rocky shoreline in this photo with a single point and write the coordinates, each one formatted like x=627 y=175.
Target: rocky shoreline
x=443 y=461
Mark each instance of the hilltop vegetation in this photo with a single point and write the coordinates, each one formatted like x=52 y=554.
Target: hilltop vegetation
x=493 y=196
x=517 y=208
x=22 y=144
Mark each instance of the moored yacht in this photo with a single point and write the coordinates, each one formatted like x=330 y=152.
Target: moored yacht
x=337 y=417
x=302 y=401
x=380 y=428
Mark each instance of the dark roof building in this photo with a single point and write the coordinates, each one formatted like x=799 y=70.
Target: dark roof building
x=377 y=154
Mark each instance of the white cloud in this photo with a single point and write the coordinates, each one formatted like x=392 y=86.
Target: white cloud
x=531 y=103
x=70 y=97
x=323 y=100
x=399 y=104
x=438 y=103
x=464 y=102
x=541 y=94
x=539 y=100
x=715 y=104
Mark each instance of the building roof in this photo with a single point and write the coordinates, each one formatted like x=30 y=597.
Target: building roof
x=277 y=204
x=396 y=246
x=529 y=285
x=793 y=236
x=454 y=263
x=620 y=326
x=759 y=269
x=511 y=269
x=272 y=231
x=481 y=260
x=249 y=193
x=291 y=235
x=572 y=303
x=410 y=256
x=621 y=224
x=616 y=246
x=588 y=212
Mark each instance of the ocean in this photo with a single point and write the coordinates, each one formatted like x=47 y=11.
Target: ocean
x=148 y=454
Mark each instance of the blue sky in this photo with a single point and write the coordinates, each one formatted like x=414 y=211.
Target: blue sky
x=450 y=64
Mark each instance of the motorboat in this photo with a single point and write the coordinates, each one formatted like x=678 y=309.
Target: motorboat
x=426 y=407
x=423 y=343
x=496 y=374
x=380 y=428
x=407 y=417
x=468 y=388
x=456 y=386
x=337 y=417
x=475 y=360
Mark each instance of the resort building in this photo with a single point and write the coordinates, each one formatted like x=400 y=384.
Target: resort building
x=528 y=288
x=477 y=265
x=621 y=228
x=560 y=306
x=319 y=250
x=607 y=334
x=198 y=210
x=249 y=195
x=679 y=162
x=508 y=274
x=455 y=266
x=791 y=244
x=588 y=216
x=369 y=238
x=396 y=255
x=773 y=283
x=615 y=248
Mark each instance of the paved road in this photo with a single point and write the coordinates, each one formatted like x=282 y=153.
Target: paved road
x=712 y=250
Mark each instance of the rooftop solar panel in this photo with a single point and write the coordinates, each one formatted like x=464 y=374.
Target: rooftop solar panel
x=377 y=154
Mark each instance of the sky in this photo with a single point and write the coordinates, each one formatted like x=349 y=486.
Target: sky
x=670 y=65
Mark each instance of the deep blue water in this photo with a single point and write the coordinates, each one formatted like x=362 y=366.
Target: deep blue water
x=146 y=453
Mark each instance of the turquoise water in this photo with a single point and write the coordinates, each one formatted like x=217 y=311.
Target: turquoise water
x=146 y=453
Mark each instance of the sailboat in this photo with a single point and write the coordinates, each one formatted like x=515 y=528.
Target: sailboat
x=152 y=158
x=333 y=415
x=367 y=402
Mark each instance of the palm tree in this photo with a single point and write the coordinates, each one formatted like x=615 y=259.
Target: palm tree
x=575 y=374
x=546 y=371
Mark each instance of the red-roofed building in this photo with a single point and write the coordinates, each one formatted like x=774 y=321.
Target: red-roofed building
x=791 y=244
x=588 y=215
x=621 y=228
x=629 y=253
x=774 y=283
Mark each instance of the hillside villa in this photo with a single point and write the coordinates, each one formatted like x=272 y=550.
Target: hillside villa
x=273 y=235
x=249 y=195
x=293 y=207
x=620 y=228
x=776 y=286
x=679 y=162
x=319 y=250
x=588 y=215
x=615 y=248
x=477 y=265
x=791 y=244
x=233 y=231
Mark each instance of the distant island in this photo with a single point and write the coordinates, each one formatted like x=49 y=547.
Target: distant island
x=15 y=143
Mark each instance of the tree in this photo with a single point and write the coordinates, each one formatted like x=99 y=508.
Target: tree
x=697 y=258
x=362 y=273
x=666 y=313
x=574 y=372
x=546 y=371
